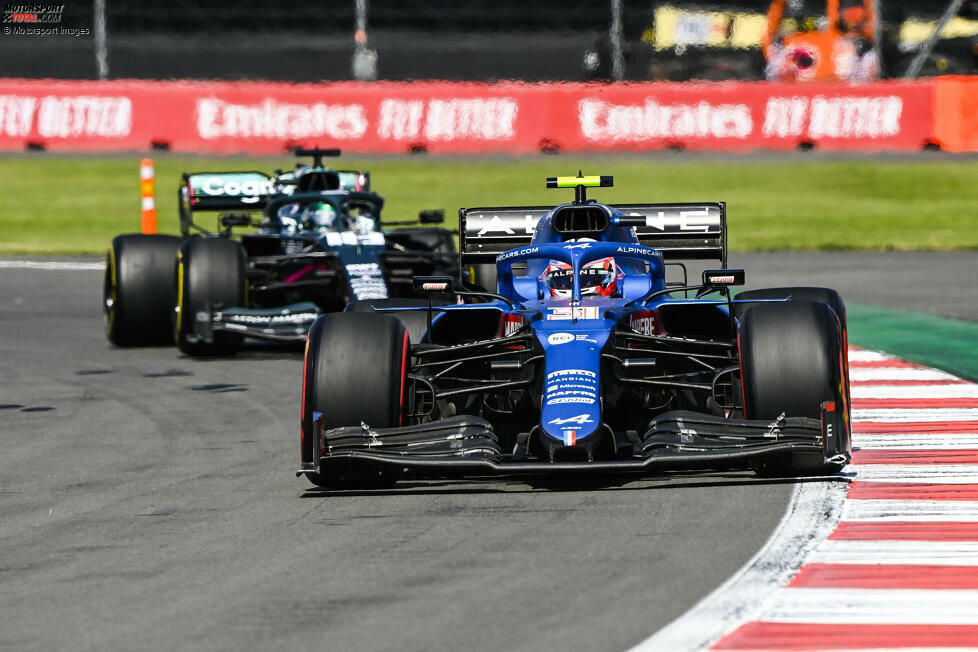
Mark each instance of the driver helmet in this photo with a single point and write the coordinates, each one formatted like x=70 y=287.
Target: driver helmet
x=320 y=215
x=598 y=277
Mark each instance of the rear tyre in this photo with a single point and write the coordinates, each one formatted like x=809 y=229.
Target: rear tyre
x=791 y=361
x=210 y=275
x=444 y=241
x=435 y=240
x=354 y=373
x=138 y=292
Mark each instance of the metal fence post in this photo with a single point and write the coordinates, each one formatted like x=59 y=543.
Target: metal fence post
x=101 y=48
x=918 y=61
x=617 y=58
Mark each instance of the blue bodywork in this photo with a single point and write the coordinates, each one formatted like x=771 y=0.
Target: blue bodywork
x=573 y=333
x=543 y=377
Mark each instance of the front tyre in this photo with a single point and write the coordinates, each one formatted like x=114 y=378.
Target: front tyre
x=825 y=295
x=415 y=321
x=791 y=361
x=211 y=274
x=354 y=372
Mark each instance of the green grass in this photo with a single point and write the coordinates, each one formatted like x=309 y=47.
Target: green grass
x=51 y=204
x=941 y=342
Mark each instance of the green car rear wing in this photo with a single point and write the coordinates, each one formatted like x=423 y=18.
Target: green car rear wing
x=222 y=191
x=216 y=191
x=352 y=180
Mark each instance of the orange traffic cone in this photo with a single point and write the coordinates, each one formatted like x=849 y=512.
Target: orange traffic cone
x=147 y=186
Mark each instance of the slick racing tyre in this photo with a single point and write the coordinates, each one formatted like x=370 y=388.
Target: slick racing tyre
x=825 y=295
x=210 y=275
x=424 y=239
x=354 y=373
x=415 y=321
x=791 y=361
x=139 y=293
x=446 y=241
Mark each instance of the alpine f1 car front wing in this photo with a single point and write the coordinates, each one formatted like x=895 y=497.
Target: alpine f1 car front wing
x=677 y=440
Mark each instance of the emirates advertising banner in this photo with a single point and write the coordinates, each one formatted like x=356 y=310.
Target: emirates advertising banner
x=445 y=117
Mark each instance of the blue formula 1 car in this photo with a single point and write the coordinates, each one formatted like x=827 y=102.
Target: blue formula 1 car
x=316 y=243
x=584 y=360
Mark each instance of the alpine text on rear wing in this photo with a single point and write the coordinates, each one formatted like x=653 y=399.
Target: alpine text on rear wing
x=679 y=231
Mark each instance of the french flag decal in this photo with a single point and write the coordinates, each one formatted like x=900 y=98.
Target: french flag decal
x=570 y=437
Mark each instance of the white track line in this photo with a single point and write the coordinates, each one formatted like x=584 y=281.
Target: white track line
x=900 y=415
x=920 y=473
x=959 y=511
x=936 y=441
x=914 y=391
x=864 y=355
x=58 y=266
x=926 y=553
x=872 y=606
x=897 y=373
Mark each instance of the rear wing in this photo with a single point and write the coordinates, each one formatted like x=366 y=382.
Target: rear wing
x=679 y=231
x=216 y=191
x=683 y=231
x=484 y=233
x=221 y=191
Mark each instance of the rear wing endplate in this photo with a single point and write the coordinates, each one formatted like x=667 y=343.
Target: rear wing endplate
x=679 y=231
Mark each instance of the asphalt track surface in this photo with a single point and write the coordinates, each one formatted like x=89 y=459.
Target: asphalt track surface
x=147 y=501
x=941 y=283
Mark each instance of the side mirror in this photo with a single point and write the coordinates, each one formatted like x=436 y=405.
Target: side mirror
x=434 y=216
x=720 y=279
x=433 y=285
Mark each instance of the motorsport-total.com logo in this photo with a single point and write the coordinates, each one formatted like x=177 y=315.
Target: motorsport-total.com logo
x=32 y=13
x=36 y=19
